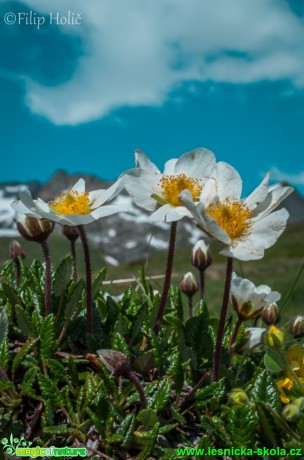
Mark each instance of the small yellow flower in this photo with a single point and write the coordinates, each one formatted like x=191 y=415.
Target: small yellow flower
x=295 y=358
x=284 y=384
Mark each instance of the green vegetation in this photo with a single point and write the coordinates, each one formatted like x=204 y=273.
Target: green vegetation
x=121 y=391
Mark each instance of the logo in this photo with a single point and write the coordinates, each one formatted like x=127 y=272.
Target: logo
x=20 y=447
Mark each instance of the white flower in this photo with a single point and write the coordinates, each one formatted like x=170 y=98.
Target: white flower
x=150 y=188
x=75 y=207
x=251 y=339
x=249 y=300
x=246 y=227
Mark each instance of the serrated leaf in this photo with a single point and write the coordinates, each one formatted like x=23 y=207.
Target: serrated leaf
x=127 y=428
x=98 y=280
x=24 y=322
x=63 y=276
x=161 y=397
x=73 y=302
x=22 y=354
x=47 y=337
x=50 y=390
x=4 y=354
x=197 y=335
x=3 y=324
x=263 y=388
x=58 y=430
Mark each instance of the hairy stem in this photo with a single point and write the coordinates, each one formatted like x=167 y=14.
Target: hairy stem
x=48 y=276
x=234 y=335
x=87 y=259
x=135 y=380
x=167 y=281
x=221 y=327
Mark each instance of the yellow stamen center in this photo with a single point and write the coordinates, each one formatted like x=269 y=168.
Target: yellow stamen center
x=173 y=185
x=232 y=216
x=71 y=203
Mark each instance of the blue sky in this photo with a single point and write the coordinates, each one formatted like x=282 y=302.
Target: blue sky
x=165 y=76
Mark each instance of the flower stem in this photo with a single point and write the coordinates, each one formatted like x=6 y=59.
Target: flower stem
x=135 y=380
x=234 y=335
x=87 y=259
x=167 y=281
x=73 y=252
x=202 y=284
x=220 y=332
x=48 y=276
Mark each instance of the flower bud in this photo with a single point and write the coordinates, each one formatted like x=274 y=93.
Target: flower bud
x=201 y=255
x=238 y=397
x=70 y=232
x=274 y=338
x=271 y=314
x=188 y=284
x=292 y=411
x=16 y=250
x=115 y=361
x=34 y=229
x=297 y=327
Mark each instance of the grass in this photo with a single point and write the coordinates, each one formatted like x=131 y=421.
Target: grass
x=278 y=269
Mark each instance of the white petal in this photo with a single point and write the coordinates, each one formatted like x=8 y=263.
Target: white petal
x=229 y=182
x=79 y=187
x=263 y=234
x=142 y=187
x=170 y=167
x=99 y=197
x=108 y=210
x=259 y=194
x=274 y=198
x=19 y=207
x=169 y=213
x=143 y=162
x=197 y=164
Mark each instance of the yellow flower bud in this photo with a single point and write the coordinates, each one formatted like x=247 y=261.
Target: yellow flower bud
x=274 y=338
x=238 y=397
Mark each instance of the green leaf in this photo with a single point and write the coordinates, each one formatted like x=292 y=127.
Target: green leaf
x=58 y=430
x=147 y=417
x=22 y=354
x=63 y=276
x=127 y=428
x=98 y=280
x=242 y=425
x=4 y=354
x=112 y=310
x=161 y=397
x=197 y=336
x=262 y=388
x=50 y=390
x=28 y=380
x=273 y=361
x=47 y=337
x=24 y=322
x=3 y=324
x=137 y=322
x=11 y=294
x=73 y=302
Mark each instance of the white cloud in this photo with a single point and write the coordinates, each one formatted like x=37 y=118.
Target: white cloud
x=295 y=179
x=137 y=51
